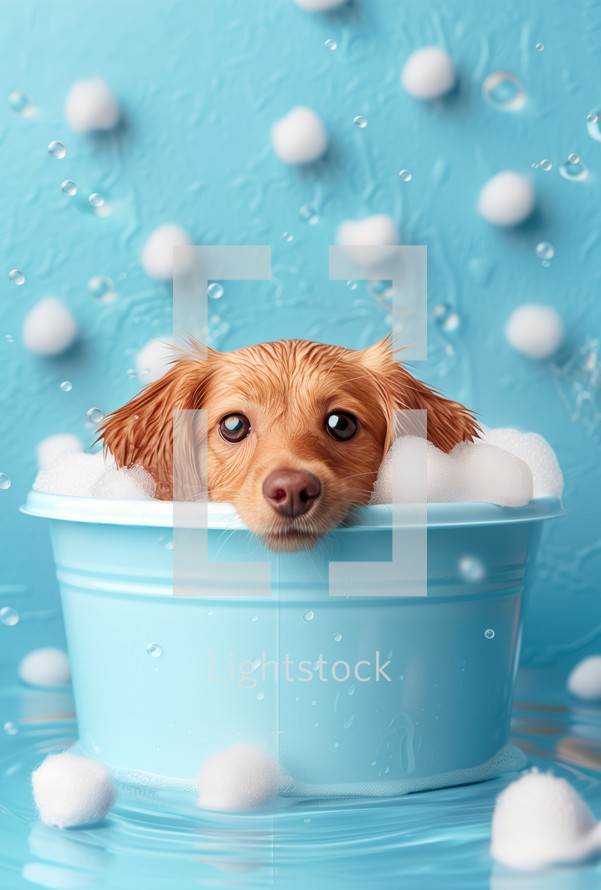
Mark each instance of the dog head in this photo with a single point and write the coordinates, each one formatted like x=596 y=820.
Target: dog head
x=295 y=430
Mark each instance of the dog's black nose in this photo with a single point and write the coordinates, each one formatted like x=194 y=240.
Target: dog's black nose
x=291 y=492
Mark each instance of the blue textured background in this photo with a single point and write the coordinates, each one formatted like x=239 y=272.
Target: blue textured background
x=200 y=83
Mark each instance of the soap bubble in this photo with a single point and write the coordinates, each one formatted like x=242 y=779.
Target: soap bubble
x=21 y=103
x=10 y=728
x=154 y=650
x=57 y=150
x=66 y=386
x=331 y=44
x=9 y=616
x=215 y=291
x=287 y=236
x=446 y=317
x=309 y=615
x=96 y=200
x=102 y=289
x=545 y=251
x=540 y=47
x=406 y=175
x=360 y=121
x=5 y=482
x=504 y=90
x=308 y=214
x=337 y=638
x=68 y=187
x=573 y=168
x=546 y=165
x=95 y=415
x=489 y=633
x=593 y=124
x=16 y=276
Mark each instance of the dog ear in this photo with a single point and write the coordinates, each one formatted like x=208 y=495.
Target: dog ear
x=448 y=422
x=141 y=432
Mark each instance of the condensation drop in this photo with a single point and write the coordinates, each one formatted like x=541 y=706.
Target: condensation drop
x=9 y=616
x=154 y=650
x=16 y=277
x=504 y=90
x=57 y=150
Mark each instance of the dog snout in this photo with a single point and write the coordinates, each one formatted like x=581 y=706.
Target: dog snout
x=291 y=492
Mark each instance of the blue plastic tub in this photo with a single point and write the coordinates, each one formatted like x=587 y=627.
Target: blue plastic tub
x=161 y=682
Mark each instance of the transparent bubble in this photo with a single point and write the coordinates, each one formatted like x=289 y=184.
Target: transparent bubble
x=471 y=569
x=446 y=318
x=215 y=291
x=9 y=338
x=21 y=103
x=9 y=616
x=309 y=615
x=489 y=633
x=331 y=44
x=534 y=166
x=10 y=728
x=308 y=214
x=102 y=289
x=546 y=165
x=66 y=386
x=254 y=619
x=337 y=638
x=504 y=90
x=57 y=150
x=352 y=285
x=405 y=175
x=545 y=251
x=593 y=124
x=546 y=263
x=540 y=47
x=68 y=187
x=17 y=277
x=351 y=689
x=360 y=121
x=573 y=168
x=260 y=696
x=573 y=158
x=131 y=373
x=154 y=650
x=96 y=200
x=287 y=236
x=591 y=118
x=95 y=415
x=5 y=482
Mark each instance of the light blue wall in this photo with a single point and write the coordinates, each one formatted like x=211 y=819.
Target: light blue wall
x=200 y=83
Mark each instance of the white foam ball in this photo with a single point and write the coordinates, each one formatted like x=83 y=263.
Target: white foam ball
x=368 y=240
x=539 y=821
x=534 y=330
x=126 y=483
x=299 y=137
x=71 y=474
x=52 y=447
x=319 y=5
x=46 y=667
x=428 y=73
x=49 y=328
x=70 y=790
x=153 y=360
x=506 y=199
x=584 y=680
x=157 y=253
x=242 y=777
x=90 y=105
x=533 y=449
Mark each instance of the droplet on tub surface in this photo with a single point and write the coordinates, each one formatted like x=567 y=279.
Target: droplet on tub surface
x=9 y=616
x=96 y=199
x=95 y=415
x=545 y=251
x=21 y=103
x=154 y=650
x=102 y=289
x=504 y=90
x=309 y=615
x=68 y=187
x=593 y=124
x=573 y=168
x=215 y=291
x=546 y=165
x=471 y=569
x=16 y=277
x=57 y=150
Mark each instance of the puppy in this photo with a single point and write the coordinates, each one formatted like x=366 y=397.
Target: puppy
x=296 y=430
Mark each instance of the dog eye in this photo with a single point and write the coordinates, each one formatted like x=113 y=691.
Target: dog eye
x=341 y=426
x=234 y=427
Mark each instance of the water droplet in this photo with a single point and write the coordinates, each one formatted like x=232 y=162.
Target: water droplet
x=593 y=124
x=306 y=821
x=287 y=236
x=360 y=121
x=573 y=158
x=545 y=251
x=17 y=277
x=351 y=689
x=9 y=616
x=352 y=285
x=534 y=166
x=489 y=633
x=5 y=482
x=504 y=90
x=68 y=187
x=546 y=165
x=21 y=103
x=540 y=47
x=309 y=615
x=57 y=150
x=591 y=118
x=10 y=728
x=168 y=545
x=9 y=338
x=154 y=650
x=131 y=373
x=308 y=214
x=66 y=386
x=573 y=168
x=446 y=318
x=471 y=569
x=348 y=723
x=337 y=638
x=215 y=291
x=95 y=415
x=102 y=289
x=546 y=264
x=96 y=200
x=260 y=696
x=254 y=619
x=331 y=44
x=405 y=175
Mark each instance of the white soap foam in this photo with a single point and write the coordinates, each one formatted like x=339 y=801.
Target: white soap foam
x=242 y=777
x=90 y=105
x=377 y=233
x=157 y=253
x=94 y=475
x=533 y=449
x=47 y=667
x=49 y=328
x=472 y=473
x=51 y=448
x=540 y=821
x=300 y=136
x=133 y=483
x=428 y=73
x=535 y=330
x=507 y=199
x=584 y=680
x=70 y=790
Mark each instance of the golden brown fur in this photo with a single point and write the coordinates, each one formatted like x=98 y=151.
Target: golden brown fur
x=286 y=389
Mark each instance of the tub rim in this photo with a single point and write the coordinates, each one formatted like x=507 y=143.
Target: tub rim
x=159 y=514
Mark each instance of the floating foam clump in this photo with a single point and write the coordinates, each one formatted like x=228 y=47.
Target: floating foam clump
x=472 y=473
x=133 y=483
x=534 y=330
x=540 y=821
x=93 y=475
x=46 y=667
x=90 y=105
x=428 y=73
x=368 y=240
x=299 y=137
x=319 y=5
x=584 y=680
x=157 y=253
x=241 y=777
x=70 y=790
x=507 y=199
x=49 y=328
x=533 y=449
x=53 y=447
x=153 y=360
